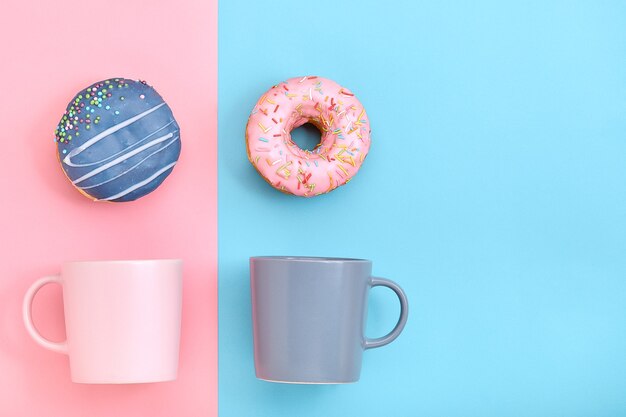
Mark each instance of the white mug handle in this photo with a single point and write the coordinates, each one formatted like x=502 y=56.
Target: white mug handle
x=59 y=347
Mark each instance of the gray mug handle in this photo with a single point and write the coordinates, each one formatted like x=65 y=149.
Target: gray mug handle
x=404 y=314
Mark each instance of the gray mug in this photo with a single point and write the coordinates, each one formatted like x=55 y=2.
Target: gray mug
x=309 y=318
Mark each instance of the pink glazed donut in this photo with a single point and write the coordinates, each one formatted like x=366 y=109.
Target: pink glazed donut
x=338 y=115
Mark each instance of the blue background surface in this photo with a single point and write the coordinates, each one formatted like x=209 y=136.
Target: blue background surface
x=494 y=193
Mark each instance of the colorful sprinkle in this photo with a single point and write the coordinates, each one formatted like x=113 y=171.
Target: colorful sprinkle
x=340 y=119
x=97 y=107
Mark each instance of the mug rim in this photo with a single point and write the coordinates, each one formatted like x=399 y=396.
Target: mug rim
x=325 y=259
x=125 y=261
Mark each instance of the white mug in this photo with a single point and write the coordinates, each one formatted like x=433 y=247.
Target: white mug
x=122 y=319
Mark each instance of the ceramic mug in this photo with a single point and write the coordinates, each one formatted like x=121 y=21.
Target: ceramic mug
x=309 y=318
x=122 y=319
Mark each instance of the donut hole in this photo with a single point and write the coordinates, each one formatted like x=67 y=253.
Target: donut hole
x=307 y=136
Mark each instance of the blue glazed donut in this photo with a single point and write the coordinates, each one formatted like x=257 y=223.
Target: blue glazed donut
x=117 y=140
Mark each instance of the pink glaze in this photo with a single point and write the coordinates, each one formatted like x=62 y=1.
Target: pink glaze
x=334 y=110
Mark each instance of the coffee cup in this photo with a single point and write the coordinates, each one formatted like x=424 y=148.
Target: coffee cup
x=122 y=319
x=309 y=317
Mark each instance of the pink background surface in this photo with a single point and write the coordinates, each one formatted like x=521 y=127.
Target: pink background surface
x=50 y=50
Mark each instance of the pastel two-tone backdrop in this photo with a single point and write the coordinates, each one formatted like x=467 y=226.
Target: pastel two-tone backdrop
x=493 y=193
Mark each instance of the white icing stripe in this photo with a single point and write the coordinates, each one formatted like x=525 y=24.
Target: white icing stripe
x=123 y=158
x=123 y=150
x=139 y=184
x=133 y=167
x=76 y=151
